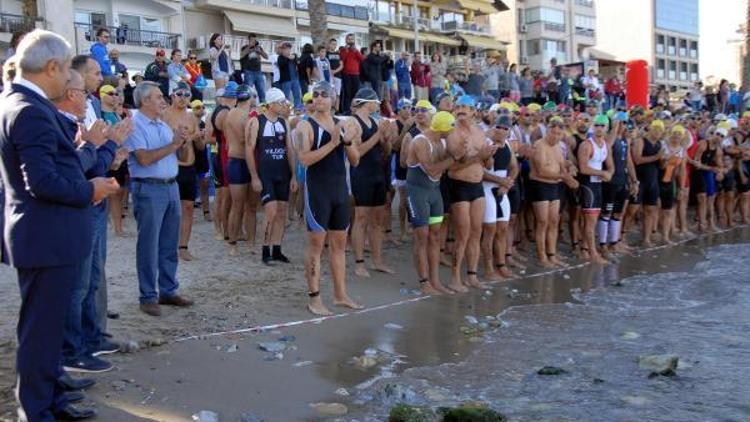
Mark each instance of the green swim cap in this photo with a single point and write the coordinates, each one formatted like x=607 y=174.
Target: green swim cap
x=601 y=119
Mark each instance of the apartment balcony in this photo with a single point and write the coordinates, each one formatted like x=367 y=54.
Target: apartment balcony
x=280 y=8
x=455 y=26
x=555 y=27
x=10 y=23
x=126 y=40
x=407 y=21
x=586 y=32
x=585 y=3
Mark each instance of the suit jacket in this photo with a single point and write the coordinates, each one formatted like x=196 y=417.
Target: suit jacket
x=47 y=215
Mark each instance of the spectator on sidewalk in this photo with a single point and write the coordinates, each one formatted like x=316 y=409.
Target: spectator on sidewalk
x=221 y=63
x=157 y=72
x=323 y=66
x=420 y=74
x=250 y=56
x=117 y=66
x=372 y=69
x=177 y=71
x=491 y=75
x=193 y=67
x=403 y=78
x=438 y=69
x=351 y=58
x=99 y=51
x=306 y=68
x=613 y=92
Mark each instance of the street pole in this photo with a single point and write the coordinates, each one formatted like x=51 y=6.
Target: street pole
x=416 y=28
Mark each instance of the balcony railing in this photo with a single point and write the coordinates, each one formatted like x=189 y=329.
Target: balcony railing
x=17 y=23
x=408 y=21
x=132 y=37
x=586 y=3
x=549 y=26
x=586 y=32
x=283 y=4
x=465 y=26
x=235 y=44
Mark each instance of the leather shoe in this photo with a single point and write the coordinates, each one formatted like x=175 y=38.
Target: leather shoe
x=175 y=300
x=70 y=413
x=74 y=396
x=152 y=309
x=68 y=383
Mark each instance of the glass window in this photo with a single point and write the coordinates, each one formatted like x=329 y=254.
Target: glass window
x=660 y=44
x=545 y=14
x=381 y=11
x=151 y=24
x=671 y=46
x=694 y=49
x=347 y=11
x=361 y=13
x=98 y=20
x=672 y=70
x=693 y=71
x=533 y=48
x=83 y=17
x=660 y=68
x=333 y=9
x=683 y=47
x=677 y=15
x=683 y=71
x=132 y=22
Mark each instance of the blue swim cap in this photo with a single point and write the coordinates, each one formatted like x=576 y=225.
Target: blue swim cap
x=403 y=103
x=230 y=90
x=466 y=100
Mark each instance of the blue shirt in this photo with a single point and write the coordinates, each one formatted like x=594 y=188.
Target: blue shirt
x=402 y=72
x=99 y=53
x=149 y=135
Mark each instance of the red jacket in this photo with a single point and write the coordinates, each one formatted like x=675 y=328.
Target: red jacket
x=420 y=74
x=351 y=58
x=613 y=86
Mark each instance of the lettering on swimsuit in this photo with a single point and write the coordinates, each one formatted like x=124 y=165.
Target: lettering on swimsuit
x=276 y=153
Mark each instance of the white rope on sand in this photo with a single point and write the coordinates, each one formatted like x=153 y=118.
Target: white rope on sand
x=318 y=320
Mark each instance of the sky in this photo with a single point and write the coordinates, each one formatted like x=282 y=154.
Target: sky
x=718 y=20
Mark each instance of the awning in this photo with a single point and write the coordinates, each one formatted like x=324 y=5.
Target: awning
x=485 y=43
x=261 y=25
x=423 y=36
x=479 y=6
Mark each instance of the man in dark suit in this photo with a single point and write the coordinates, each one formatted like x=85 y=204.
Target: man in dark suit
x=47 y=218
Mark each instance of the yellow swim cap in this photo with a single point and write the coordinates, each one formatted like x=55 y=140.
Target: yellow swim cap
x=423 y=104
x=307 y=98
x=106 y=89
x=442 y=122
x=196 y=104
x=533 y=107
x=724 y=124
x=657 y=124
x=678 y=129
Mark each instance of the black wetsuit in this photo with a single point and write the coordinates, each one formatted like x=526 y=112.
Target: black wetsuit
x=368 y=178
x=273 y=160
x=615 y=192
x=648 y=175
x=326 y=193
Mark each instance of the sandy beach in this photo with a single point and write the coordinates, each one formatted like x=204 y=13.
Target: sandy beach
x=228 y=374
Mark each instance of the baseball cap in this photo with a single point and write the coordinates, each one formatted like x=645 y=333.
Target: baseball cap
x=275 y=95
x=403 y=103
x=503 y=120
x=442 y=122
x=106 y=89
x=601 y=119
x=466 y=100
x=365 y=95
x=196 y=104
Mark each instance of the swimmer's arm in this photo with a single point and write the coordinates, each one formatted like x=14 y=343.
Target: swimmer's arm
x=513 y=168
x=698 y=152
x=220 y=120
x=719 y=159
x=422 y=153
x=638 y=157
x=365 y=147
x=211 y=139
x=571 y=146
x=306 y=155
x=251 y=137
x=631 y=168
x=610 y=162
x=291 y=156
x=405 y=150
x=612 y=135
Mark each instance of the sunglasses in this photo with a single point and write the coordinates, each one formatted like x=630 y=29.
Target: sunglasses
x=556 y=124
x=183 y=94
x=198 y=108
x=422 y=110
x=192 y=58
x=600 y=125
x=527 y=115
x=161 y=54
x=502 y=127
x=321 y=94
x=113 y=94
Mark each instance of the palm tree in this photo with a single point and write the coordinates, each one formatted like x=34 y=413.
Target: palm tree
x=318 y=21
x=746 y=59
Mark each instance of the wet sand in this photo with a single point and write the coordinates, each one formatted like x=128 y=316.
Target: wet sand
x=174 y=381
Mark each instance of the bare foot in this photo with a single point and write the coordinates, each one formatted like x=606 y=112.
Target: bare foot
x=439 y=287
x=185 y=255
x=457 y=286
x=492 y=276
x=513 y=263
x=621 y=247
x=473 y=281
x=519 y=257
x=647 y=243
x=218 y=236
x=505 y=272
x=546 y=263
x=598 y=259
x=316 y=307
x=557 y=261
x=233 y=250
x=445 y=260
x=347 y=302
x=427 y=289
x=361 y=271
x=394 y=241
x=382 y=268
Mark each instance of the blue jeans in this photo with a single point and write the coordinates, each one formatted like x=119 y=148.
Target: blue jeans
x=434 y=92
x=494 y=93
x=255 y=78
x=297 y=94
x=157 y=213
x=83 y=334
x=404 y=91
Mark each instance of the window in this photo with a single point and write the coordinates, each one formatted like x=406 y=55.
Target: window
x=683 y=71
x=585 y=25
x=660 y=44
x=94 y=19
x=361 y=13
x=660 y=68
x=554 y=19
x=694 y=49
x=133 y=23
x=533 y=48
x=677 y=15
x=521 y=18
x=683 y=48
x=671 y=46
x=672 y=70
x=693 y=71
x=381 y=12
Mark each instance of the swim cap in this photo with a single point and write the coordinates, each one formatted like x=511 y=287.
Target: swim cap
x=503 y=120
x=442 y=122
x=403 y=103
x=533 y=107
x=549 y=106
x=323 y=86
x=275 y=95
x=556 y=120
x=442 y=96
x=196 y=104
x=601 y=119
x=657 y=124
x=678 y=129
x=230 y=90
x=106 y=89
x=307 y=98
x=424 y=104
x=245 y=92
x=365 y=95
x=724 y=124
x=466 y=100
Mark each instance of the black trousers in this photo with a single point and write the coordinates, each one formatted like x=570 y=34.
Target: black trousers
x=350 y=86
x=45 y=299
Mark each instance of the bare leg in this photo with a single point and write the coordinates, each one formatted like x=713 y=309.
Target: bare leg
x=712 y=213
x=476 y=214
x=218 y=214
x=462 y=222
x=502 y=247
x=649 y=224
x=553 y=217
x=186 y=227
x=361 y=216
x=115 y=212
x=375 y=235
x=205 y=200
x=312 y=272
x=270 y=215
x=488 y=244
x=446 y=246
x=421 y=238
x=702 y=222
x=238 y=194
x=682 y=217
x=542 y=211
x=433 y=259
x=402 y=213
x=729 y=208
x=250 y=218
x=338 y=270
x=279 y=226
x=589 y=237
x=666 y=227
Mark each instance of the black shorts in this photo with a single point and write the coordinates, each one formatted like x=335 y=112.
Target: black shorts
x=121 y=174
x=326 y=207
x=461 y=191
x=667 y=195
x=186 y=181
x=445 y=192
x=368 y=191
x=201 y=162
x=743 y=187
x=648 y=192
x=729 y=183
x=614 y=196
x=698 y=182
x=542 y=191
x=514 y=195
x=572 y=196
x=274 y=188
x=590 y=195
x=220 y=180
x=237 y=171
